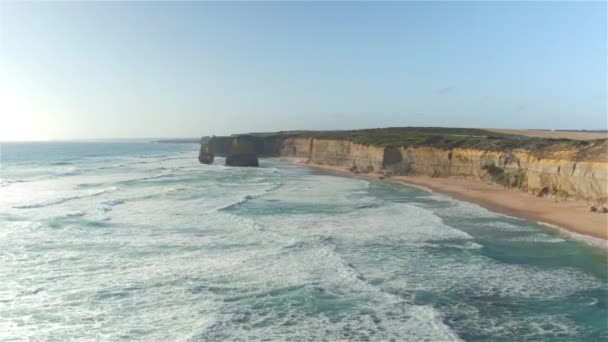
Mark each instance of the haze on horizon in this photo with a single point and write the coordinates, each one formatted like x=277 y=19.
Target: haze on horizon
x=78 y=70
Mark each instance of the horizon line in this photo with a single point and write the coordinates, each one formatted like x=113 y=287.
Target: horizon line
x=108 y=139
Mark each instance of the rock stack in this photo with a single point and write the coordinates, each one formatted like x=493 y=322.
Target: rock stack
x=205 y=156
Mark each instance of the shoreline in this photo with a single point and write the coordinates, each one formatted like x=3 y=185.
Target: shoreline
x=566 y=216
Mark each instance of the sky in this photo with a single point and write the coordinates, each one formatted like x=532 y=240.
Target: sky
x=74 y=70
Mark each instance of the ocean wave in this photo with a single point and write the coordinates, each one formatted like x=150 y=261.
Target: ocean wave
x=316 y=273
x=5 y=182
x=109 y=204
x=61 y=163
x=590 y=240
x=282 y=267
x=249 y=197
x=111 y=167
x=63 y=199
x=156 y=160
x=143 y=179
x=537 y=238
x=464 y=245
x=75 y=214
x=153 y=156
x=113 y=202
x=87 y=185
x=70 y=171
x=506 y=226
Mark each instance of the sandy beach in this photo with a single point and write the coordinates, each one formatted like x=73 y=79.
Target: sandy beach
x=573 y=216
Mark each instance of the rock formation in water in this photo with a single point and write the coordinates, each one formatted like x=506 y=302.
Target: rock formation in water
x=242 y=152
x=558 y=168
x=205 y=156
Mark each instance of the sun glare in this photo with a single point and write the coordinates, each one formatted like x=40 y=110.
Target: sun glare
x=20 y=120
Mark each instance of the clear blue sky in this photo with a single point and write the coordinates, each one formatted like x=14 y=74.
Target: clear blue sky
x=94 y=70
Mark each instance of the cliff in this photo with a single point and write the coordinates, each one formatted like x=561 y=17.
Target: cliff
x=562 y=169
x=219 y=146
x=264 y=146
x=243 y=152
x=561 y=174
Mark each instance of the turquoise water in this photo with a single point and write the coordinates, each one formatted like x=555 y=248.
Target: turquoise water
x=113 y=241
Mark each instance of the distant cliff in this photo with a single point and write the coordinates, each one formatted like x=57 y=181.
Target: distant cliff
x=202 y=140
x=265 y=146
x=243 y=152
x=219 y=146
x=546 y=167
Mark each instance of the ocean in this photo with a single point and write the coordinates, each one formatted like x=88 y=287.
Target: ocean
x=138 y=241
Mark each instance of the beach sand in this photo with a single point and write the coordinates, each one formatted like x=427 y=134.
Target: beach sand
x=573 y=216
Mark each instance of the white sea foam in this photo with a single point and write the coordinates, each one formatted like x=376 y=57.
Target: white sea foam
x=113 y=202
x=538 y=238
x=508 y=227
x=593 y=241
x=194 y=258
x=60 y=200
x=249 y=197
x=459 y=208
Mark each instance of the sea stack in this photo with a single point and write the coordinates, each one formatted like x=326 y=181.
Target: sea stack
x=242 y=152
x=205 y=156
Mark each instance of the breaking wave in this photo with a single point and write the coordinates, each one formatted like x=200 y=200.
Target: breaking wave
x=63 y=199
x=158 y=247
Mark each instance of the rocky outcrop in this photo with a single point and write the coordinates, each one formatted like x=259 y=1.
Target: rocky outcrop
x=242 y=152
x=204 y=155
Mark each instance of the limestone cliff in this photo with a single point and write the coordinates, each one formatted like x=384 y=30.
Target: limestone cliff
x=355 y=157
x=558 y=168
x=562 y=173
x=242 y=152
x=296 y=147
x=264 y=146
x=219 y=146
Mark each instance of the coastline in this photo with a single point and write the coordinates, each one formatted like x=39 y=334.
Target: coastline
x=571 y=216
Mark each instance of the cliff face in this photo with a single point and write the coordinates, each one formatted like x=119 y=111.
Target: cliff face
x=562 y=174
x=296 y=147
x=552 y=169
x=220 y=146
x=265 y=146
x=243 y=152
x=356 y=157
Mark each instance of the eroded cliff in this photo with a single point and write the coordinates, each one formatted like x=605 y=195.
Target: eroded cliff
x=561 y=174
x=557 y=168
